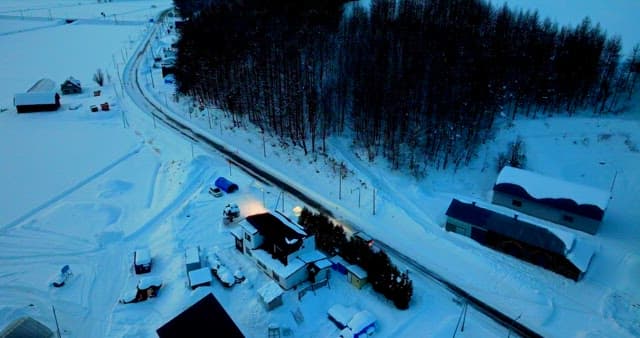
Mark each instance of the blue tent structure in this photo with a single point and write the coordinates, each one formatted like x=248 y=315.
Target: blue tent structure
x=226 y=185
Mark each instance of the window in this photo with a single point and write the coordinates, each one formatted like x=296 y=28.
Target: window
x=247 y=237
x=276 y=277
x=567 y=218
x=516 y=203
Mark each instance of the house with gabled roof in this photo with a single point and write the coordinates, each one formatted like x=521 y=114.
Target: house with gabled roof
x=281 y=248
x=71 y=86
x=573 y=205
x=42 y=96
x=525 y=237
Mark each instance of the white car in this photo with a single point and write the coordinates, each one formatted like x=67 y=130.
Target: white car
x=215 y=191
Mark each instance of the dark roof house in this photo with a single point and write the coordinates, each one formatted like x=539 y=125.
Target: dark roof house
x=528 y=238
x=206 y=318
x=280 y=238
x=71 y=86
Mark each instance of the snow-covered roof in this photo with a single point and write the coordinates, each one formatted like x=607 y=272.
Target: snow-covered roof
x=341 y=313
x=26 y=99
x=286 y=221
x=43 y=85
x=504 y=224
x=275 y=265
x=361 y=321
x=248 y=228
x=581 y=255
x=357 y=271
x=540 y=187
x=192 y=255
x=200 y=276
x=143 y=256
x=149 y=281
x=270 y=291
x=73 y=81
x=312 y=256
x=26 y=327
x=322 y=264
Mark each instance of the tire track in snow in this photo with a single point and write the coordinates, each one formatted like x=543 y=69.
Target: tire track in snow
x=70 y=190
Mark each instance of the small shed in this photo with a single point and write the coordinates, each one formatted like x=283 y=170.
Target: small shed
x=199 y=277
x=356 y=276
x=271 y=295
x=42 y=96
x=226 y=185
x=142 y=261
x=26 y=327
x=192 y=258
x=71 y=86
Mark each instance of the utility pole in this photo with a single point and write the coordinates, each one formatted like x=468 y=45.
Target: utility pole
x=340 y=181
x=55 y=318
x=374 y=201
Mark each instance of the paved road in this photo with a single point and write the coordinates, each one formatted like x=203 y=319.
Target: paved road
x=161 y=113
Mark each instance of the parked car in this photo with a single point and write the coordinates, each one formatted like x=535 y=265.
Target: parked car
x=215 y=191
x=142 y=261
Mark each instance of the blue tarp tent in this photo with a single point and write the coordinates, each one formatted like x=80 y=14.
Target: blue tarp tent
x=226 y=185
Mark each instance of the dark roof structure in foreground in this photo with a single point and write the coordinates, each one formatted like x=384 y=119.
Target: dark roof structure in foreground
x=206 y=318
x=26 y=327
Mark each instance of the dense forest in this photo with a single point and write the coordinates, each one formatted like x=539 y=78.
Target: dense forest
x=416 y=81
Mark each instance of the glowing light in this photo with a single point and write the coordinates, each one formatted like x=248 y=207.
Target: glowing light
x=297 y=210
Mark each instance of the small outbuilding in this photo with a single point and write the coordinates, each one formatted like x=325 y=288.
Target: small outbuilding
x=192 y=258
x=142 y=261
x=71 y=86
x=271 y=295
x=226 y=185
x=199 y=277
x=356 y=276
x=42 y=96
x=204 y=319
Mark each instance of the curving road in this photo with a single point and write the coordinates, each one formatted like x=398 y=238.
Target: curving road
x=163 y=114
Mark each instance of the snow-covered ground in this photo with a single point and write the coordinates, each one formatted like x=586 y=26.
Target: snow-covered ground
x=81 y=189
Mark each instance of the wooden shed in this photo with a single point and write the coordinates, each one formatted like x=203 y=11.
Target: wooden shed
x=42 y=96
x=356 y=276
x=271 y=295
